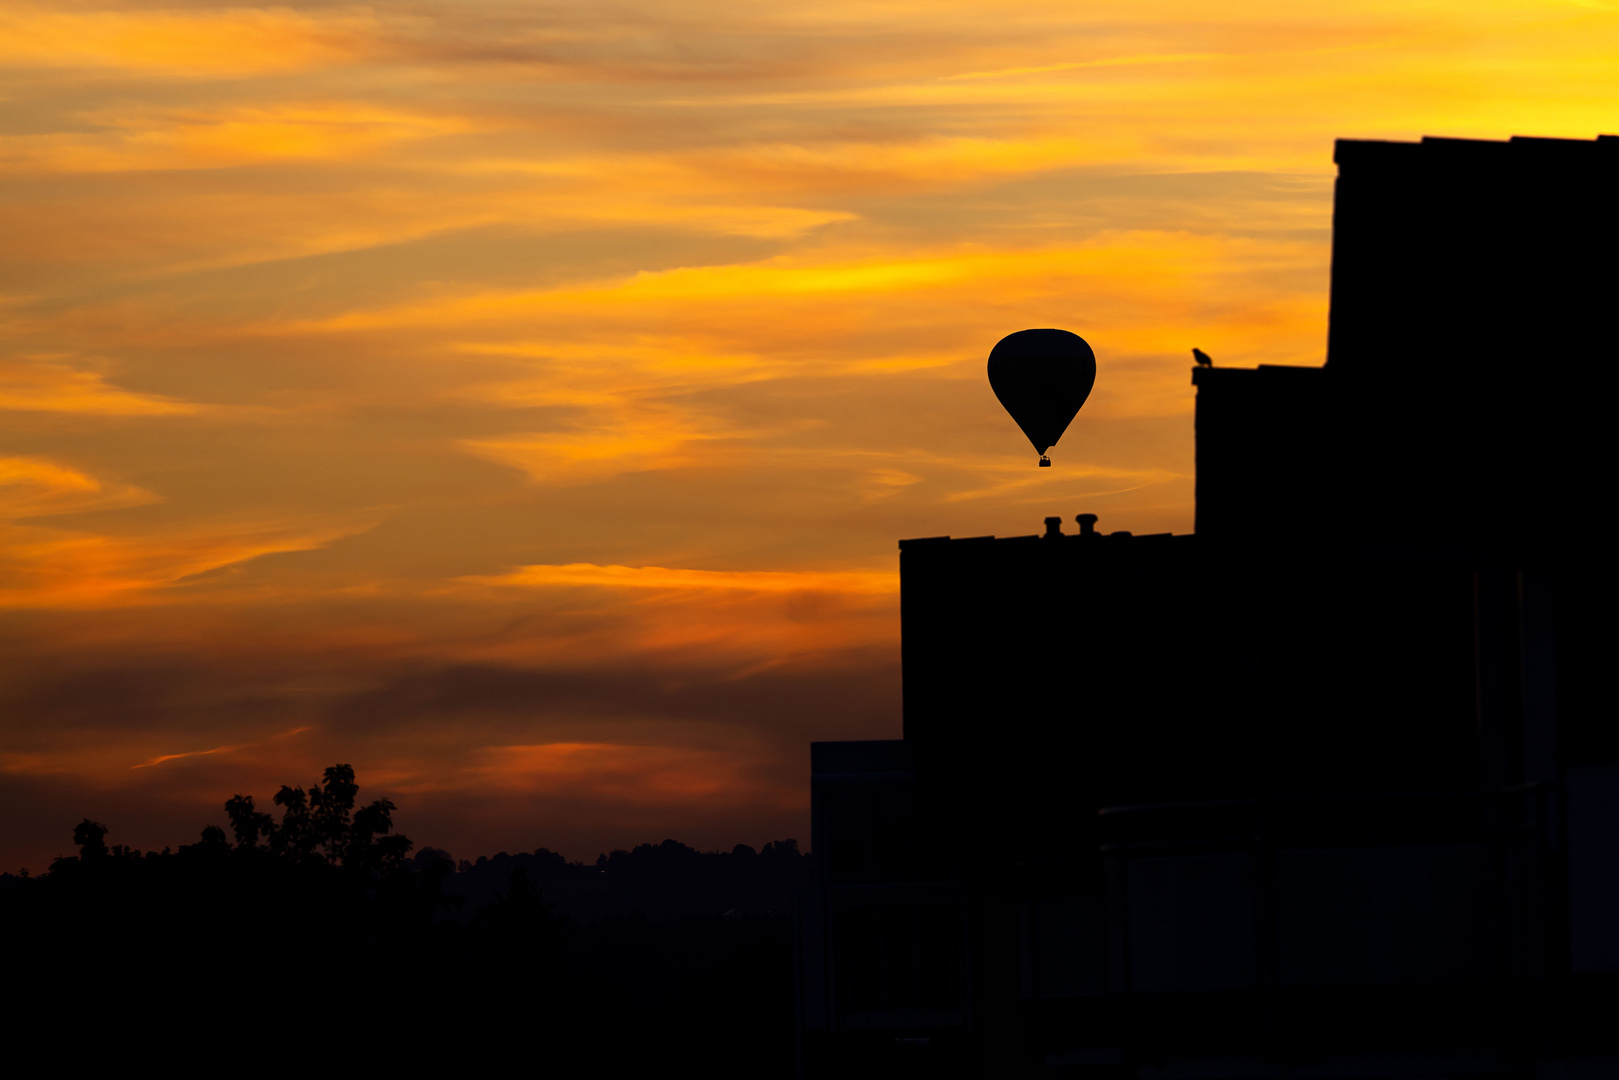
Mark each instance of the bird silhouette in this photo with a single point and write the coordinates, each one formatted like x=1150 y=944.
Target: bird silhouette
x=1202 y=358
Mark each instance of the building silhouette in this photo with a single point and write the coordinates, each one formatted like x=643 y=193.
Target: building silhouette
x=1329 y=787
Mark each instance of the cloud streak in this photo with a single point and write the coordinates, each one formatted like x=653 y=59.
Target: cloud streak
x=49 y=387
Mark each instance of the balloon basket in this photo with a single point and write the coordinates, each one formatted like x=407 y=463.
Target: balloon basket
x=1045 y=462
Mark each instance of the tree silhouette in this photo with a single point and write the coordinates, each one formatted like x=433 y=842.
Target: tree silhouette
x=331 y=803
x=293 y=839
x=247 y=822
x=91 y=839
x=321 y=826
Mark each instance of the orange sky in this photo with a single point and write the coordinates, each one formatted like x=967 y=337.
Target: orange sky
x=521 y=401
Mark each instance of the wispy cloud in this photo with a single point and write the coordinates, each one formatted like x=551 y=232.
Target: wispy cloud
x=195 y=138
x=47 y=567
x=35 y=487
x=161 y=758
x=658 y=577
x=192 y=753
x=196 y=45
x=33 y=386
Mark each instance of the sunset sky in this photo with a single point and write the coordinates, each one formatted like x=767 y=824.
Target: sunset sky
x=521 y=401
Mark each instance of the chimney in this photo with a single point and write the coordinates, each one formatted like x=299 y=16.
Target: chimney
x=1053 y=528
x=1087 y=524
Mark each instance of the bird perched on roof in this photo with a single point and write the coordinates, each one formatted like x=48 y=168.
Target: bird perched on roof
x=1202 y=358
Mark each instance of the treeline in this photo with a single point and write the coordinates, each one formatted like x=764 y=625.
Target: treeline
x=656 y=881
x=687 y=952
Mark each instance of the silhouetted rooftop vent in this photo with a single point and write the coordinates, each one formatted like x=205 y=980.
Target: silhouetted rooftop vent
x=1053 y=528
x=1087 y=524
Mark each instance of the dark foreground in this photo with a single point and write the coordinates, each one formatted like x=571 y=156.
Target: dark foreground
x=328 y=948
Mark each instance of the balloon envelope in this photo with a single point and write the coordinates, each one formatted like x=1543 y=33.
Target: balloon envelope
x=1042 y=378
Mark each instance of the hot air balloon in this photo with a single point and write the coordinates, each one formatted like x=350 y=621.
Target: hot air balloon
x=1042 y=377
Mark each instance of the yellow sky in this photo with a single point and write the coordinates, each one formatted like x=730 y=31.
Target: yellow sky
x=521 y=401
